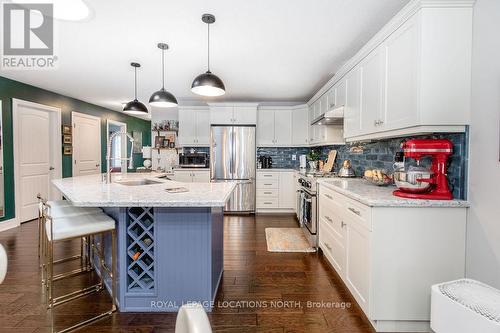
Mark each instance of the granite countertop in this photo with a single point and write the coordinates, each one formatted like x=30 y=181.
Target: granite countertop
x=91 y=191
x=276 y=170
x=191 y=169
x=378 y=196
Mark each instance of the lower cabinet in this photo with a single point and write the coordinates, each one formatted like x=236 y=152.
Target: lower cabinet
x=275 y=191
x=389 y=257
x=190 y=176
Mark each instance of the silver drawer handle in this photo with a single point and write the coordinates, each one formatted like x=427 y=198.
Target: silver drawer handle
x=268 y=192
x=328 y=219
x=328 y=246
x=328 y=196
x=355 y=211
x=268 y=203
x=268 y=184
x=267 y=175
x=343 y=224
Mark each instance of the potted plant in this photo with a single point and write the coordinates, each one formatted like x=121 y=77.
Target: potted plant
x=313 y=157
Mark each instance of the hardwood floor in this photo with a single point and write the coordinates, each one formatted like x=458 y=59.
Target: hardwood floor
x=260 y=292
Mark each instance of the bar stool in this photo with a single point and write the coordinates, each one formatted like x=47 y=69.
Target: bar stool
x=58 y=209
x=69 y=228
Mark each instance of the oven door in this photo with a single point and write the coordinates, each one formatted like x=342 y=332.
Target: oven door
x=308 y=211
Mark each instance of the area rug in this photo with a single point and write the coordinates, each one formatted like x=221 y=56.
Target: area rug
x=287 y=240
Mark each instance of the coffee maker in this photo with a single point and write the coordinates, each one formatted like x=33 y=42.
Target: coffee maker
x=424 y=183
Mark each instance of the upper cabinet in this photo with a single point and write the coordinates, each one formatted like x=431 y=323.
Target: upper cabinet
x=300 y=126
x=194 y=128
x=274 y=127
x=322 y=135
x=233 y=114
x=412 y=77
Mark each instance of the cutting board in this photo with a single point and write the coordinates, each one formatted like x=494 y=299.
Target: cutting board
x=330 y=161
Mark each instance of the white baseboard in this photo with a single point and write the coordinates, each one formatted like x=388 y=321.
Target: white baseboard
x=8 y=224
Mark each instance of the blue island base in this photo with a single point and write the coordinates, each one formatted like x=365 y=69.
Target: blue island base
x=167 y=257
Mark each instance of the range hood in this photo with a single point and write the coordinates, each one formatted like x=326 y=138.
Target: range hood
x=331 y=117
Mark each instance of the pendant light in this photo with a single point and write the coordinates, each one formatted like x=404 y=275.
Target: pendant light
x=208 y=84
x=135 y=107
x=163 y=98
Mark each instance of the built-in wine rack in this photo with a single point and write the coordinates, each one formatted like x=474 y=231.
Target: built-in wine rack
x=140 y=250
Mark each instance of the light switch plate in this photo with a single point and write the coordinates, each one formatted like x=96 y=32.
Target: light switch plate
x=294 y=157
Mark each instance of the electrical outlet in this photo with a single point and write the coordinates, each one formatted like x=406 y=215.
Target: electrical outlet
x=294 y=157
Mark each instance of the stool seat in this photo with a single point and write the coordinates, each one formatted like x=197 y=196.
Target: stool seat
x=79 y=226
x=69 y=211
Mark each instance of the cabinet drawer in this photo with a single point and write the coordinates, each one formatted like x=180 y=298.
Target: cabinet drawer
x=267 y=183
x=266 y=193
x=332 y=221
x=271 y=202
x=345 y=207
x=268 y=175
x=333 y=249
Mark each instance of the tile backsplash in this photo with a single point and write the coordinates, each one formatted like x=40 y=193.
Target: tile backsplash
x=380 y=154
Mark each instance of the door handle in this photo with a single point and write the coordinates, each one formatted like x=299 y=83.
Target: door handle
x=328 y=196
x=51 y=168
x=342 y=224
x=97 y=165
x=328 y=219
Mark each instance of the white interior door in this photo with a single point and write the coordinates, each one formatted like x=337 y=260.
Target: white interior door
x=86 y=144
x=37 y=156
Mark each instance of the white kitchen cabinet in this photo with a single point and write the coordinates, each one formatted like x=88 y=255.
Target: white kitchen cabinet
x=193 y=127
x=274 y=127
x=352 y=109
x=233 y=114
x=357 y=268
x=389 y=257
x=415 y=75
x=287 y=196
x=275 y=191
x=283 y=127
x=401 y=49
x=191 y=176
x=340 y=94
x=331 y=97
x=265 y=128
x=300 y=126
x=372 y=90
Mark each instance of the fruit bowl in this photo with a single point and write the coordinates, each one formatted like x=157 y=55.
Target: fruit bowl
x=378 y=177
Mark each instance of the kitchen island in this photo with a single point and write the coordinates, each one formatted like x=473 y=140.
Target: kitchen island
x=170 y=245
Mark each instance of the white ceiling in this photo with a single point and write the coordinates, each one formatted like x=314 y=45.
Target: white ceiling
x=274 y=51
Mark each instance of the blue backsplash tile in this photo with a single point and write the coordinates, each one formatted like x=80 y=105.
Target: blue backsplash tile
x=380 y=154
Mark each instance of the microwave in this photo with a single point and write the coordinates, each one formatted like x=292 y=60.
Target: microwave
x=194 y=160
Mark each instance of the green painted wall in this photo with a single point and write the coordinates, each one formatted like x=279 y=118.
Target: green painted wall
x=10 y=89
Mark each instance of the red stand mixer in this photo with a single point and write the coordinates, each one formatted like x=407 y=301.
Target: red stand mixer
x=421 y=183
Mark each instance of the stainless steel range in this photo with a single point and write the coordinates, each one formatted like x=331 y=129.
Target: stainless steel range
x=308 y=203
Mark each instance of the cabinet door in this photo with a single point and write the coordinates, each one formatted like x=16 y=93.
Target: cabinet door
x=323 y=104
x=372 y=90
x=182 y=176
x=287 y=194
x=352 y=109
x=340 y=93
x=201 y=176
x=311 y=127
x=300 y=127
x=202 y=127
x=244 y=115
x=187 y=127
x=283 y=127
x=221 y=115
x=265 y=128
x=332 y=98
x=357 y=274
x=402 y=52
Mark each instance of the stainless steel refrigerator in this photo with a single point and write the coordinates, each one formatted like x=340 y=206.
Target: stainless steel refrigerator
x=232 y=158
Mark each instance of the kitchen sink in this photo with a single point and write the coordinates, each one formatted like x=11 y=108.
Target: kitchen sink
x=138 y=182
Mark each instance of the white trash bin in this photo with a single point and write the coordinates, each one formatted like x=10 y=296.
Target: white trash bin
x=465 y=306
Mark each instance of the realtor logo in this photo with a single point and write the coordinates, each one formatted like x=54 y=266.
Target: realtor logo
x=28 y=36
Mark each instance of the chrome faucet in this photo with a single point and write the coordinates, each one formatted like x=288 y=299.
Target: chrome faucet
x=109 y=158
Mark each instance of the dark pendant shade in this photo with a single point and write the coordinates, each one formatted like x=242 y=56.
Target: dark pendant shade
x=135 y=107
x=163 y=99
x=208 y=84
